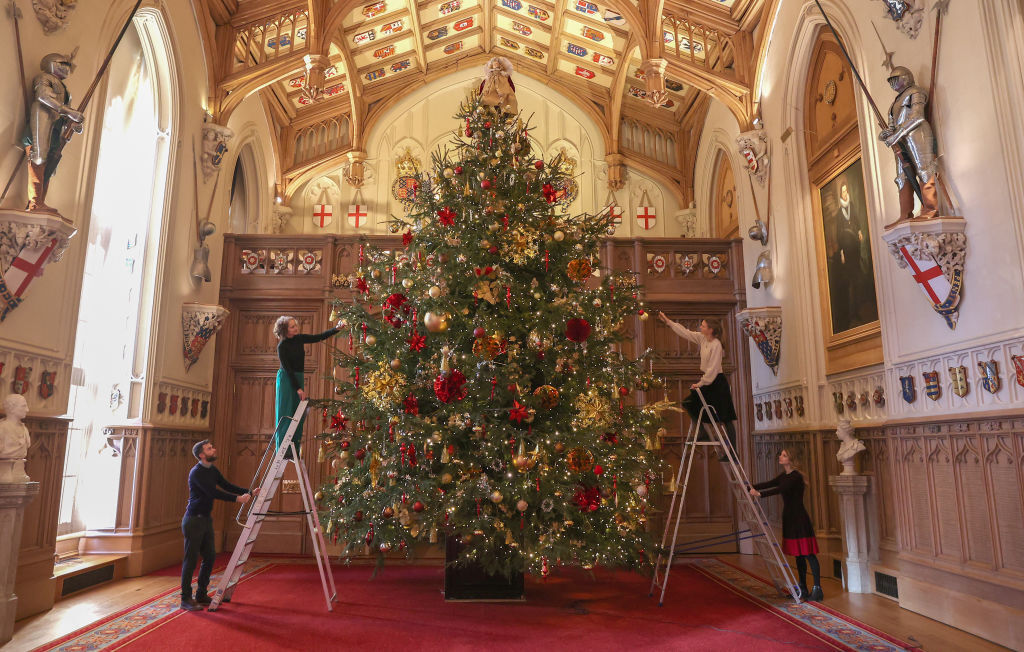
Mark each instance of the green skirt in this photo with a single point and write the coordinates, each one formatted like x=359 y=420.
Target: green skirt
x=287 y=402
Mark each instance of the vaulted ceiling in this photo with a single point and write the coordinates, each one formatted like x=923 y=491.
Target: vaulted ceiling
x=327 y=69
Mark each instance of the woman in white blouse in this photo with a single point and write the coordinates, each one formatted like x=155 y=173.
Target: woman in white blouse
x=713 y=384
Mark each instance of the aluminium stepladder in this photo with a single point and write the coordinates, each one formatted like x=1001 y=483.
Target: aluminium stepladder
x=753 y=523
x=258 y=512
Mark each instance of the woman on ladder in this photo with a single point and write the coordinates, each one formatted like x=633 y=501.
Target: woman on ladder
x=291 y=352
x=797 y=531
x=713 y=384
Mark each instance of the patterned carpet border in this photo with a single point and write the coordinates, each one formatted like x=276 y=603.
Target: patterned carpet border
x=852 y=634
x=127 y=624
x=837 y=629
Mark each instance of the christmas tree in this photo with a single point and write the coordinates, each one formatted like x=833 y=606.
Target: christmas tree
x=487 y=399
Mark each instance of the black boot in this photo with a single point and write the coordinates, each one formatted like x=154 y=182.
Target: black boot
x=804 y=593
x=816 y=594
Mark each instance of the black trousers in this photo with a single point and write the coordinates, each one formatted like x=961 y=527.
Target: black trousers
x=198 y=531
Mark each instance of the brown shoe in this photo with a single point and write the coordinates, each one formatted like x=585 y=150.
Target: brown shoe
x=203 y=598
x=190 y=605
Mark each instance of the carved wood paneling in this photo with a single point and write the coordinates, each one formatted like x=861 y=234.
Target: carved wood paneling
x=245 y=373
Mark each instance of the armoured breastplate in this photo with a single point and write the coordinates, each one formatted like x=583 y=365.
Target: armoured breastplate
x=907 y=106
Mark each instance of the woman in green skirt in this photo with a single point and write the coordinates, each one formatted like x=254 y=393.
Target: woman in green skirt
x=292 y=354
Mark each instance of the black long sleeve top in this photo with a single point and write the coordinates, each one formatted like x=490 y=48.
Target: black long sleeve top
x=292 y=354
x=206 y=483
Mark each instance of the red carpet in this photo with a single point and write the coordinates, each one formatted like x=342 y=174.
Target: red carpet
x=282 y=607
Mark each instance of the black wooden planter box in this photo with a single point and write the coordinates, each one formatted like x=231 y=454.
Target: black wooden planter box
x=472 y=583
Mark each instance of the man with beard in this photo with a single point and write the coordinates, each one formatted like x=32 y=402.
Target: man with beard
x=205 y=483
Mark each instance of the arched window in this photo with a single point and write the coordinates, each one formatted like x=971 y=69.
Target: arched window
x=726 y=220
x=119 y=286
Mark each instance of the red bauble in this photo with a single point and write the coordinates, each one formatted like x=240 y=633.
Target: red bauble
x=469 y=132
x=539 y=165
x=345 y=444
x=593 y=508
x=388 y=512
x=358 y=515
x=361 y=453
x=479 y=332
x=577 y=329
x=418 y=506
x=598 y=469
x=487 y=125
x=458 y=169
x=485 y=184
x=493 y=249
x=623 y=391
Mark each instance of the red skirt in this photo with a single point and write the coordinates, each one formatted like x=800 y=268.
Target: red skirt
x=805 y=546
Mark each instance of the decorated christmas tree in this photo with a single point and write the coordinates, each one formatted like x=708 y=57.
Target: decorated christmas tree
x=486 y=396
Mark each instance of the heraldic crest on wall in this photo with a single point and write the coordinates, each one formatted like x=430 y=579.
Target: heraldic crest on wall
x=28 y=241
x=199 y=323
x=933 y=251
x=764 y=326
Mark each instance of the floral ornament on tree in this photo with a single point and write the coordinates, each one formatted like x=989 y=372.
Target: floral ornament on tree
x=550 y=194
x=446 y=216
x=518 y=412
x=338 y=422
x=580 y=269
x=416 y=342
x=587 y=499
x=448 y=387
x=383 y=386
x=488 y=291
x=411 y=405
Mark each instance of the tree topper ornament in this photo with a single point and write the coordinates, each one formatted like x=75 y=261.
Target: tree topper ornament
x=496 y=88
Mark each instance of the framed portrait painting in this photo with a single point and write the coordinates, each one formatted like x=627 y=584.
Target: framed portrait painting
x=846 y=267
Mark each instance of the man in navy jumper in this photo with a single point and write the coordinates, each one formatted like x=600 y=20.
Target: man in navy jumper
x=204 y=484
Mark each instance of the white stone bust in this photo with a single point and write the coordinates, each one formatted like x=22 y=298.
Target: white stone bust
x=14 y=439
x=850 y=447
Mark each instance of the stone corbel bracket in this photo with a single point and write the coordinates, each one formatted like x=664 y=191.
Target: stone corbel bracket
x=934 y=252
x=28 y=242
x=199 y=323
x=753 y=147
x=764 y=326
x=215 y=148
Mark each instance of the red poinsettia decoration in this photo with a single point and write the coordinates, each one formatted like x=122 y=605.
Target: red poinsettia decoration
x=446 y=216
x=338 y=421
x=362 y=286
x=394 y=303
x=550 y=193
x=407 y=238
x=518 y=412
x=449 y=386
x=417 y=342
x=577 y=329
x=411 y=405
x=611 y=437
x=588 y=500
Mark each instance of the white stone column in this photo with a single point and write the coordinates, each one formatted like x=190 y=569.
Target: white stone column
x=13 y=498
x=853 y=491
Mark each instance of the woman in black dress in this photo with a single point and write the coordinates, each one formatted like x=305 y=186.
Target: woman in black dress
x=797 y=531
x=713 y=384
x=291 y=353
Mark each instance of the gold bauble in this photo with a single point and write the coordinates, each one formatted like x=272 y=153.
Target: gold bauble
x=446 y=478
x=394 y=227
x=434 y=292
x=375 y=273
x=449 y=173
x=547 y=395
x=496 y=497
x=644 y=316
x=433 y=321
x=371 y=340
x=559 y=236
x=396 y=363
x=407 y=283
x=597 y=303
x=319 y=495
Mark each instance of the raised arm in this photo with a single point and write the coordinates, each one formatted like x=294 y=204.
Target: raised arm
x=681 y=330
x=319 y=337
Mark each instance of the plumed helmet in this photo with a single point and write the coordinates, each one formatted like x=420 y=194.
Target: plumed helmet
x=50 y=61
x=903 y=74
x=763 y=274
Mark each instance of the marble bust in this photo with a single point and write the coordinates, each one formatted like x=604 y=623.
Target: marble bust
x=850 y=447
x=14 y=439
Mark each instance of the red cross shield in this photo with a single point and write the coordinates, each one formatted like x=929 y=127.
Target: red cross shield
x=323 y=214
x=647 y=217
x=357 y=215
x=929 y=276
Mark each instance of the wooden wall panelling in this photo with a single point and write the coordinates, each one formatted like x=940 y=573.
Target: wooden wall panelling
x=153 y=491
x=34 y=583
